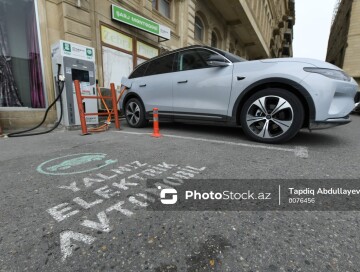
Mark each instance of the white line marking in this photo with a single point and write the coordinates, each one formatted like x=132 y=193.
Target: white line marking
x=299 y=151
x=279 y=195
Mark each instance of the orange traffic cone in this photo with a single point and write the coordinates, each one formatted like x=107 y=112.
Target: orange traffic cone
x=156 y=132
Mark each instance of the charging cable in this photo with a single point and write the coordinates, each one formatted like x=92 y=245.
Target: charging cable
x=60 y=86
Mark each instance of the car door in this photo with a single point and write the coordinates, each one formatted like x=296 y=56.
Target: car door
x=200 y=90
x=155 y=87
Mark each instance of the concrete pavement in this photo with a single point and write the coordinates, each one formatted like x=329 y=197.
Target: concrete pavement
x=74 y=203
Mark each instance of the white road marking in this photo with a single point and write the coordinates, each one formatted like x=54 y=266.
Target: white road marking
x=70 y=241
x=103 y=224
x=82 y=203
x=59 y=212
x=71 y=187
x=299 y=151
x=65 y=242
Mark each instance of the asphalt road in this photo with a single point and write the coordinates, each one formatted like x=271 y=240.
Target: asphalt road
x=76 y=203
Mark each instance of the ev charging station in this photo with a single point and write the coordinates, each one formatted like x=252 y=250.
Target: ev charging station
x=77 y=63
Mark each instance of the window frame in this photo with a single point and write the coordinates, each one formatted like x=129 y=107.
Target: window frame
x=134 y=52
x=156 y=6
x=231 y=58
x=214 y=35
x=202 y=28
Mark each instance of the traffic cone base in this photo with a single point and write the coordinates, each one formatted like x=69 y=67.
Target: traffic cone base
x=156 y=132
x=156 y=135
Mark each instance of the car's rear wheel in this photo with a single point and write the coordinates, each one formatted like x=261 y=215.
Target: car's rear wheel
x=135 y=113
x=272 y=116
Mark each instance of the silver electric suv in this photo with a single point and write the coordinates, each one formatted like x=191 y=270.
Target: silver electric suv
x=271 y=99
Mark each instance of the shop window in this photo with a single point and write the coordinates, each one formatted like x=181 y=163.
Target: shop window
x=116 y=64
x=140 y=60
x=120 y=53
x=214 y=39
x=21 y=78
x=199 y=29
x=163 y=6
x=146 y=51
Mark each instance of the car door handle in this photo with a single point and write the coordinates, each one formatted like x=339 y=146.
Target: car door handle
x=142 y=85
x=184 y=81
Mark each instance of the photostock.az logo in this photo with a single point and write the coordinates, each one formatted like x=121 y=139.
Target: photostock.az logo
x=168 y=192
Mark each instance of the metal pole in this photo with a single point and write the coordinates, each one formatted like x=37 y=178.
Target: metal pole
x=80 y=107
x=114 y=104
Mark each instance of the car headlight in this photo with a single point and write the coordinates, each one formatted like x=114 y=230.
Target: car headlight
x=331 y=73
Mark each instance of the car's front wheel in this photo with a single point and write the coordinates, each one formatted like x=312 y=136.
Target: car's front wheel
x=272 y=116
x=135 y=113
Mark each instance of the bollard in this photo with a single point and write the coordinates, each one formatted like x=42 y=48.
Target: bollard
x=156 y=132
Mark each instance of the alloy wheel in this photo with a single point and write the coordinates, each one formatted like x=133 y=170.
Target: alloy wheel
x=133 y=113
x=270 y=116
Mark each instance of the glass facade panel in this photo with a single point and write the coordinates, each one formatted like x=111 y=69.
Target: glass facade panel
x=21 y=78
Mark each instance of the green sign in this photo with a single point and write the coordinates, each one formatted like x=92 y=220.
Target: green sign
x=76 y=50
x=89 y=52
x=132 y=19
x=67 y=47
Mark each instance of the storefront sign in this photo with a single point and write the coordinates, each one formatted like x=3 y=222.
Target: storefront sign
x=115 y=38
x=130 y=18
x=146 y=51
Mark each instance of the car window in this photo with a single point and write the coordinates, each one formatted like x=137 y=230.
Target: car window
x=229 y=56
x=139 y=70
x=193 y=59
x=160 y=65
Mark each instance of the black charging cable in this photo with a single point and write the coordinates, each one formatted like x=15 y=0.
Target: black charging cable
x=60 y=86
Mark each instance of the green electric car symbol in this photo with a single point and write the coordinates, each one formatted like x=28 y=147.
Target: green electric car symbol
x=75 y=164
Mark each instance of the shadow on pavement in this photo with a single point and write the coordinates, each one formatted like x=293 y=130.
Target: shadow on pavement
x=304 y=137
x=205 y=130
x=318 y=138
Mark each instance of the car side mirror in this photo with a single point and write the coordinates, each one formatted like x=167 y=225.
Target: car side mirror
x=216 y=60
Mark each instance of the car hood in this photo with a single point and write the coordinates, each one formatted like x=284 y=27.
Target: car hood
x=313 y=62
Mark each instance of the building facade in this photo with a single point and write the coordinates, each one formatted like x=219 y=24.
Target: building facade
x=344 y=41
x=251 y=29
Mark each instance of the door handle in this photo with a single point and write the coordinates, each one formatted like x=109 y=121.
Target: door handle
x=184 y=81
x=142 y=85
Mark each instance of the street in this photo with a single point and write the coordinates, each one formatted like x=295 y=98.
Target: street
x=76 y=203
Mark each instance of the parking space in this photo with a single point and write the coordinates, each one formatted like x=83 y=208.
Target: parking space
x=71 y=202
